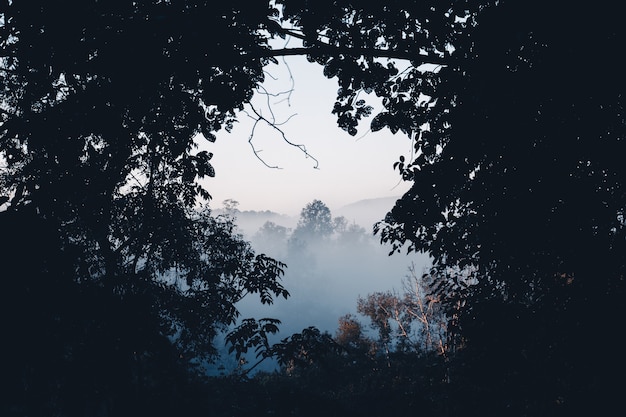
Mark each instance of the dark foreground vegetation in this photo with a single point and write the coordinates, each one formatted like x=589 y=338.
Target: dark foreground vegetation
x=116 y=278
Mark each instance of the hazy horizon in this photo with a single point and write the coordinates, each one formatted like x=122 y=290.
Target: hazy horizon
x=327 y=281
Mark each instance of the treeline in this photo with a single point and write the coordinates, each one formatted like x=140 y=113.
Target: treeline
x=316 y=226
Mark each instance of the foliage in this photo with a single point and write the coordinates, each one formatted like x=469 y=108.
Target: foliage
x=350 y=39
x=521 y=181
x=411 y=321
x=125 y=332
x=517 y=180
x=306 y=349
x=316 y=226
x=350 y=334
x=321 y=375
x=272 y=238
x=132 y=278
x=518 y=196
x=315 y=223
x=252 y=333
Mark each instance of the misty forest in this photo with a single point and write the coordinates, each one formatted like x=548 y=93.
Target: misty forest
x=127 y=291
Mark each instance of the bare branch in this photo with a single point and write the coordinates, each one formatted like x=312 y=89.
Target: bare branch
x=291 y=79
x=258 y=117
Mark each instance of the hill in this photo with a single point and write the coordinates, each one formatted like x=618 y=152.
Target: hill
x=367 y=212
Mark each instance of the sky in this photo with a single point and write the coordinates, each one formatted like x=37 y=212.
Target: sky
x=349 y=168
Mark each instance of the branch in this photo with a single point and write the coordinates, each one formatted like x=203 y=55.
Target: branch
x=324 y=49
x=290 y=32
x=245 y=372
x=291 y=79
x=274 y=125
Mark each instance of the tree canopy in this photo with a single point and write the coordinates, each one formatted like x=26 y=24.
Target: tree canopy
x=315 y=223
x=515 y=111
x=110 y=251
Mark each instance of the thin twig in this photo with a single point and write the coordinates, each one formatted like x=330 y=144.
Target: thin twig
x=275 y=126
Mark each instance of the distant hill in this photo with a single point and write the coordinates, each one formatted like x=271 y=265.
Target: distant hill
x=249 y=221
x=367 y=212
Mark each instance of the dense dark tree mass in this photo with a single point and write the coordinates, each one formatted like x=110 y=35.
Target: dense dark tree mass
x=106 y=256
x=117 y=278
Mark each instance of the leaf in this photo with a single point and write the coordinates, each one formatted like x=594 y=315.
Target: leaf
x=379 y=121
x=207 y=133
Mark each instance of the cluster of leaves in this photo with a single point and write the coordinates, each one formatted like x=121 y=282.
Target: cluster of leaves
x=352 y=41
x=252 y=333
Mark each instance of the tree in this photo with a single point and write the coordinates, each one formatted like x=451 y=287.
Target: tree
x=314 y=227
x=120 y=272
x=411 y=321
x=426 y=315
x=350 y=334
x=231 y=207
x=535 y=185
x=353 y=234
x=516 y=181
x=315 y=223
x=272 y=237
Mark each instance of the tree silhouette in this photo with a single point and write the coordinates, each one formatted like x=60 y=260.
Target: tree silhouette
x=315 y=223
x=518 y=186
x=350 y=334
x=119 y=278
x=272 y=238
x=516 y=115
x=314 y=227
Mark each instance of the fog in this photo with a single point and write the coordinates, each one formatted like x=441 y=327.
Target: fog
x=326 y=282
x=324 y=276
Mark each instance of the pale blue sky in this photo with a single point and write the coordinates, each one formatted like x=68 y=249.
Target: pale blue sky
x=350 y=168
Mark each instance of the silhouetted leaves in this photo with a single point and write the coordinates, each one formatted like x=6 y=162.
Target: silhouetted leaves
x=252 y=333
x=308 y=348
x=102 y=105
x=517 y=192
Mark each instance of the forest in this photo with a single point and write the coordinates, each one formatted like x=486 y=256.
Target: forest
x=120 y=279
